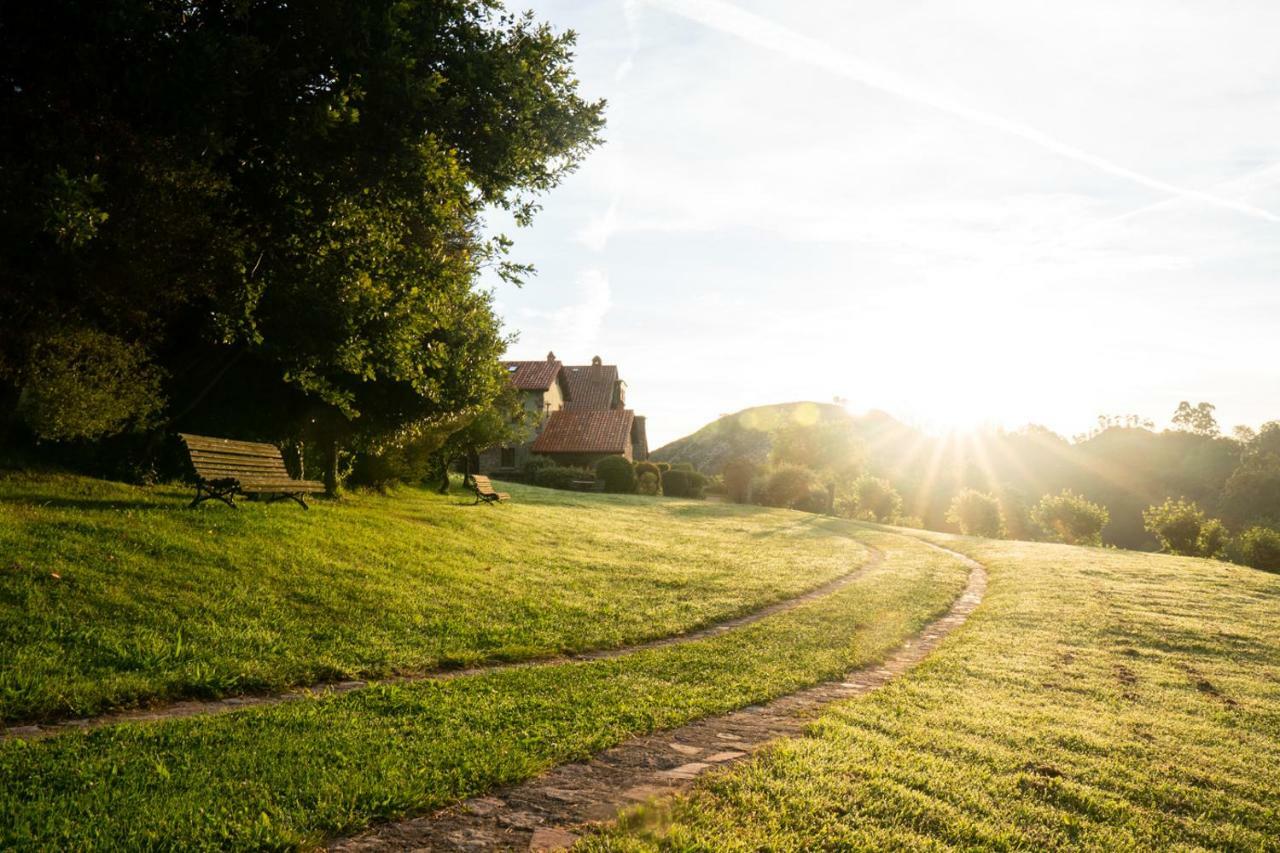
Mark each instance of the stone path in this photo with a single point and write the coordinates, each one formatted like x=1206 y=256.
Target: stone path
x=551 y=811
x=194 y=708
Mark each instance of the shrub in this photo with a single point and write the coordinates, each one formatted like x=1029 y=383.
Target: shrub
x=875 y=497
x=642 y=468
x=1070 y=518
x=818 y=500
x=1177 y=525
x=534 y=465
x=789 y=486
x=663 y=467
x=617 y=475
x=976 y=514
x=559 y=477
x=648 y=483
x=1260 y=547
x=678 y=483
x=1213 y=539
x=738 y=474
x=82 y=383
x=683 y=466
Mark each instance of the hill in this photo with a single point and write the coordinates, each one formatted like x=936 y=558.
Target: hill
x=748 y=434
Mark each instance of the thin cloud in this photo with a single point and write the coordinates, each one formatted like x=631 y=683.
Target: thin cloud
x=752 y=28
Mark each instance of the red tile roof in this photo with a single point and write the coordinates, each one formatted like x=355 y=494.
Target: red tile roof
x=591 y=386
x=586 y=431
x=532 y=375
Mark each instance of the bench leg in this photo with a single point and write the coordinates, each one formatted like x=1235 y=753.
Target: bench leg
x=289 y=496
x=204 y=493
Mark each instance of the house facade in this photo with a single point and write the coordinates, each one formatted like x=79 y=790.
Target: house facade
x=584 y=416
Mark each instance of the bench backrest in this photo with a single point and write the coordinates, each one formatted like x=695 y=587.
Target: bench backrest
x=222 y=458
x=483 y=486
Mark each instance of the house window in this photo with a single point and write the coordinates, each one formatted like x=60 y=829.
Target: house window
x=508 y=457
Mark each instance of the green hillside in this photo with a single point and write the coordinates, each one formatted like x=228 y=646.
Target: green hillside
x=118 y=592
x=114 y=595
x=748 y=434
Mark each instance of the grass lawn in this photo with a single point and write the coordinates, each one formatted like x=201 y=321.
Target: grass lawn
x=290 y=775
x=1098 y=699
x=155 y=601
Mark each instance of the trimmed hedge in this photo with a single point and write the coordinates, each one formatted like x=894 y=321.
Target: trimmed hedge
x=682 y=484
x=560 y=477
x=617 y=475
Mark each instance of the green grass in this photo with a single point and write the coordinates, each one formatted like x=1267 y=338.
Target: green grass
x=1098 y=699
x=291 y=775
x=155 y=601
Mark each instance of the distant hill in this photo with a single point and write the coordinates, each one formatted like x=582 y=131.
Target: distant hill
x=748 y=434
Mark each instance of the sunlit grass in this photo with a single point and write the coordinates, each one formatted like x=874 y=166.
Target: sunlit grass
x=290 y=775
x=1098 y=699
x=114 y=595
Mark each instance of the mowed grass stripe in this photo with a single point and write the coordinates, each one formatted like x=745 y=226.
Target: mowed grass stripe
x=113 y=596
x=191 y=708
x=1071 y=712
x=294 y=774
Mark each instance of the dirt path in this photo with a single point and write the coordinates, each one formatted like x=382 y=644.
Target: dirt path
x=194 y=708
x=553 y=810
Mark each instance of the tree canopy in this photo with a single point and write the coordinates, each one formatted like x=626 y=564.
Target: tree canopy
x=268 y=214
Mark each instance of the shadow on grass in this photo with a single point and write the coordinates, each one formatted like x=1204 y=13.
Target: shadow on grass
x=119 y=504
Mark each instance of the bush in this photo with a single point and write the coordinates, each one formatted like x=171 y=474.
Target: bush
x=1213 y=539
x=559 y=477
x=642 y=468
x=789 y=486
x=1070 y=518
x=875 y=497
x=648 y=483
x=534 y=465
x=1177 y=525
x=617 y=475
x=678 y=483
x=82 y=383
x=738 y=474
x=976 y=514
x=818 y=500
x=1260 y=547
x=683 y=466
x=663 y=467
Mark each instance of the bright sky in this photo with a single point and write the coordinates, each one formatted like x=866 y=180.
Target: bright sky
x=982 y=213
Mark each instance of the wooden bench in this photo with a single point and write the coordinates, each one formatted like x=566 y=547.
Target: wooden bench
x=226 y=468
x=483 y=488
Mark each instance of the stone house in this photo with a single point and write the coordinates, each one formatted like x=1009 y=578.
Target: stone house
x=584 y=416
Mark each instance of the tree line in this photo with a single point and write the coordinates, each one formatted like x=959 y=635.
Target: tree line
x=1188 y=489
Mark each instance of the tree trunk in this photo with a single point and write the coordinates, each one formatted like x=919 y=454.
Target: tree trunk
x=332 y=487
x=444 y=474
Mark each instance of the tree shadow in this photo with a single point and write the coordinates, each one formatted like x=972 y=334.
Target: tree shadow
x=94 y=503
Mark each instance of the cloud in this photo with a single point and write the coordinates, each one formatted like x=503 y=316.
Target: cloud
x=727 y=18
x=572 y=328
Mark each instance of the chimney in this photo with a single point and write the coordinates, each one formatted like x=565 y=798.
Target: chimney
x=596 y=362
x=551 y=356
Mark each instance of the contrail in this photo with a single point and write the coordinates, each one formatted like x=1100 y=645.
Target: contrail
x=750 y=27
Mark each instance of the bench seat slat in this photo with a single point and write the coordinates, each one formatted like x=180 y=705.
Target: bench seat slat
x=200 y=442
x=281 y=486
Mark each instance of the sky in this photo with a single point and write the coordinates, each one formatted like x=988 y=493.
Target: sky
x=963 y=214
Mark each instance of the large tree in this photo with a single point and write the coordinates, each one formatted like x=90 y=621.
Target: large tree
x=269 y=210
